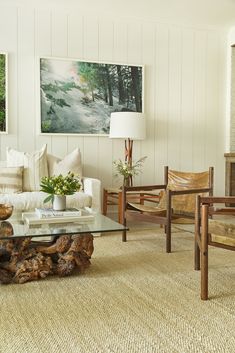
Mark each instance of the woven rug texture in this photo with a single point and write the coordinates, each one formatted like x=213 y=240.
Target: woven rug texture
x=134 y=298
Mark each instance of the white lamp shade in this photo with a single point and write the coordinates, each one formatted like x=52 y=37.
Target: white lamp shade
x=127 y=125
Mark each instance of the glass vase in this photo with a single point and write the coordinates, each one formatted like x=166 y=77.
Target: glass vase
x=126 y=181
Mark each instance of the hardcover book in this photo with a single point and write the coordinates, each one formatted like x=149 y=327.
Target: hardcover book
x=31 y=218
x=49 y=212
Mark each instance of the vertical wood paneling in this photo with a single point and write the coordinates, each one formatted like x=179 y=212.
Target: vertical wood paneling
x=147 y=146
x=134 y=56
x=213 y=92
x=175 y=95
x=120 y=42
x=221 y=123
x=119 y=55
x=26 y=80
x=134 y=44
x=43 y=33
x=90 y=38
x=59 y=34
x=187 y=100
x=43 y=48
x=105 y=40
x=161 y=100
x=59 y=145
x=199 y=122
x=75 y=36
x=59 y=47
x=91 y=52
x=8 y=44
x=90 y=158
x=105 y=159
x=212 y=96
x=105 y=143
x=183 y=88
x=76 y=50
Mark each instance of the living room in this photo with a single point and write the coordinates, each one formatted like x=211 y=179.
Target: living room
x=184 y=48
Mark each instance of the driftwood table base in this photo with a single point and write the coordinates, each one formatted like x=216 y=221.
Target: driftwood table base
x=22 y=261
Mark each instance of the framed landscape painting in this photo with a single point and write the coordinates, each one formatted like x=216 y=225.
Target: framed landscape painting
x=77 y=97
x=3 y=93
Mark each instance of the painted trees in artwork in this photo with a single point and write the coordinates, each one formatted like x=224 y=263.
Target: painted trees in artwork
x=107 y=82
x=78 y=97
x=2 y=92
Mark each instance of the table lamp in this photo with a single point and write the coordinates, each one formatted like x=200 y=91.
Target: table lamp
x=129 y=126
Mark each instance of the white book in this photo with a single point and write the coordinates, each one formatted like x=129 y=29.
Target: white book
x=49 y=212
x=31 y=218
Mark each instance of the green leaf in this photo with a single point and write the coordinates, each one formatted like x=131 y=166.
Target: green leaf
x=49 y=198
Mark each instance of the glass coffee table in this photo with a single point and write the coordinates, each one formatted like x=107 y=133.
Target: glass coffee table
x=30 y=252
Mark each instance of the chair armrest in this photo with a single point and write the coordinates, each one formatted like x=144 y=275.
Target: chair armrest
x=92 y=187
x=217 y=199
x=143 y=188
x=213 y=210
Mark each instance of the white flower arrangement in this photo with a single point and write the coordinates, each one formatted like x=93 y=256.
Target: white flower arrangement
x=127 y=170
x=60 y=185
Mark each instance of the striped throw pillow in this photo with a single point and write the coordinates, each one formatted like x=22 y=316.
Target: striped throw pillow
x=34 y=163
x=11 y=180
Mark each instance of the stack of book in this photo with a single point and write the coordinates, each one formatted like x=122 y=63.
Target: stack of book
x=49 y=212
x=48 y=215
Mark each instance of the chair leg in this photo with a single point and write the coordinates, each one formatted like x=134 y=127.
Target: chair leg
x=197 y=264
x=168 y=220
x=204 y=254
x=105 y=201
x=123 y=212
x=120 y=204
x=196 y=247
x=124 y=235
x=197 y=236
x=168 y=237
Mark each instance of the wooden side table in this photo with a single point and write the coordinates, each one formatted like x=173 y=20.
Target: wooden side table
x=113 y=196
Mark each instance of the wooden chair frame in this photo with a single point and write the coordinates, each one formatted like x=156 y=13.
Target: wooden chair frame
x=165 y=218
x=204 y=211
x=113 y=196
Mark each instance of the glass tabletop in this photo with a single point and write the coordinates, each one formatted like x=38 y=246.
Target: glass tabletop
x=15 y=227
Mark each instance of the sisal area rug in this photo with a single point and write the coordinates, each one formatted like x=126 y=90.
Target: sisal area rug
x=134 y=298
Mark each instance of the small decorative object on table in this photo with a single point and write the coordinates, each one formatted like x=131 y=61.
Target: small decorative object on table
x=6 y=229
x=5 y=211
x=128 y=170
x=58 y=187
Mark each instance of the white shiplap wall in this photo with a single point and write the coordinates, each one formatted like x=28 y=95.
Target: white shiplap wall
x=184 y=88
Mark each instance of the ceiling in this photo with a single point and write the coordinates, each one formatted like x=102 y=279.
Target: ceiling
x=189 y=12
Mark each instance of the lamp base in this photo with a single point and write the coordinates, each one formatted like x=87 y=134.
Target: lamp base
x=128 y=158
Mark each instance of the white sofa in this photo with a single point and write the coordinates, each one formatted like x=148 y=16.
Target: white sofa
x=90 y=196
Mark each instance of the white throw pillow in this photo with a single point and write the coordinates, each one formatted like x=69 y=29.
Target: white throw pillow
x=11 y=180
x=51 y=163
x=72 y=162
x=34 y=163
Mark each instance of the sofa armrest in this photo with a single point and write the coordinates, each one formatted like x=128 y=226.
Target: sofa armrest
x=3 y=163
x=92 y=187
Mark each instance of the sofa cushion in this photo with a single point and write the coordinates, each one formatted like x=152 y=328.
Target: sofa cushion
x=72 y=162
x=34 y=163
x=11 y=179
